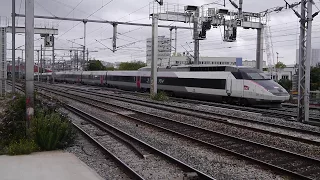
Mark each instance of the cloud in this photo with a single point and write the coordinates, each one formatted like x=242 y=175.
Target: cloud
x=284 y=28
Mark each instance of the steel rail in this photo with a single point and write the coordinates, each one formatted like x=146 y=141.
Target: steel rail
x=102 y=124
x=206 y=138
x=151 y=104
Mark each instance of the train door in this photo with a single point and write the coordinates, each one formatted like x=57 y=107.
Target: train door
x=106 y=78
x=229 y=85
x=138 y=81
x=101 y=80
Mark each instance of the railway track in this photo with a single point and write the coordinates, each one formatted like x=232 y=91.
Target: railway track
x=132 y=173
x=284 y=113
x=142 y=148
x=137 y=145
x=203 y=115
x=276 y=113
x=295 y=165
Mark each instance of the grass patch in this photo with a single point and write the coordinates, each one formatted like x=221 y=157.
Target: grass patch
x=23 y=146
x=160 y=96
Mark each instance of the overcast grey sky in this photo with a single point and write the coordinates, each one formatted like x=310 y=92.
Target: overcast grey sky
x=284 y=28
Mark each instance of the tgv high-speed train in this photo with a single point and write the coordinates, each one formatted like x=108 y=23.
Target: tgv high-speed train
x=230 y=84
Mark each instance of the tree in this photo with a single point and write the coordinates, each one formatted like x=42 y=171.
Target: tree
x=280 y=65
x=315 y=78
x=110 y=68
x=286 y=83
x=135 y=65
x=96 y=65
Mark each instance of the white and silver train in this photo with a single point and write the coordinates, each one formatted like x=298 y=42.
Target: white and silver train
x=231 y=84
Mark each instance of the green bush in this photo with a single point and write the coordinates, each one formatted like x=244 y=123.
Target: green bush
x=52 y=131
x=160 y=96
x=13 y=123
x=23 y=146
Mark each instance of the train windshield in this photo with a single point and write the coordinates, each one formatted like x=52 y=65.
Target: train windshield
x=273 y=87
x=253 y=74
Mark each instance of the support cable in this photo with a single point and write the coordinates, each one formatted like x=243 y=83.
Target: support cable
x=71 y=10
x=87 y=17
x=45 y=8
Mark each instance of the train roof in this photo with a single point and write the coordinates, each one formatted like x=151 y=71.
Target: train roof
x=94 y=72
x=197 y=68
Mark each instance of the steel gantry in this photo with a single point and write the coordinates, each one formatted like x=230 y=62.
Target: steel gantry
x=154 y=26
x=304 y=60
x=201 y=23
x=306 y=17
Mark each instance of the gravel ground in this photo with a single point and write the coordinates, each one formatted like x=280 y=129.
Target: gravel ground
x=290 y=145
x=124 y=94
x=94 y=158
x=211 y=161
x=151 y=167
x=218 y=110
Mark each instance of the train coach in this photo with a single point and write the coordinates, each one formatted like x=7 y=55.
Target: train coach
x=230 y=84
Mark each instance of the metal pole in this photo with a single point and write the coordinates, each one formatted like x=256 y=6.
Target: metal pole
x=301 y=84
x=169 y=63
x=29 y=60
x=53 y=61
x=307 y=62
x=20 y=64
x=83 y=56
x=38 y=65
x=13 y=71
x=44 y=58
x=19 y=67
x=259 y=51
x=41 y=67
x=114 y=38
x=196 y=37
x=77 y=60
x=87 y=54
x=154 y=54
x=84 y=43
x=277 y=68
x=71 y=60
x=240 y=9
x=175 y=41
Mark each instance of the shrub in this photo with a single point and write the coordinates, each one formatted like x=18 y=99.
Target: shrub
x=13 y=124
x=23 y=146
x=52 y=131
x=160 y=96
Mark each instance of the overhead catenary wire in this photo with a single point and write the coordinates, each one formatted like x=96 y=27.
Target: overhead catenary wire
x=19 y=10
x=45 y=8
x=207 y=42
x=72 y=10
x=87 y=17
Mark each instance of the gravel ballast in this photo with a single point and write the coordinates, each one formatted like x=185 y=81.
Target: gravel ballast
x=290 y=145
x=208 y=160
x=94 y=158
x=151 y=167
